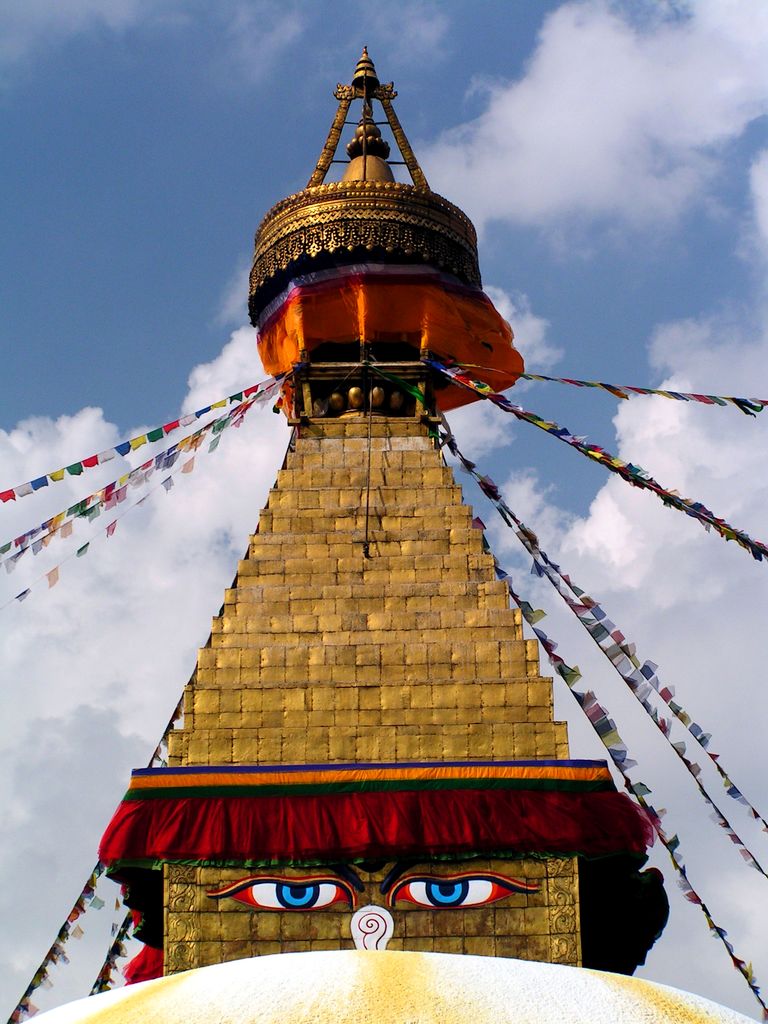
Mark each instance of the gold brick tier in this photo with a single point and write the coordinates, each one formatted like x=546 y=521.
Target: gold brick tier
x=323 y=655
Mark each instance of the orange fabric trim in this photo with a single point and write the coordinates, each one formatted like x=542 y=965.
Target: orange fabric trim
x=453 y=324
x=161 y=780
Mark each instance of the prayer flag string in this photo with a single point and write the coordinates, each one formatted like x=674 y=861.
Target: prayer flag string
x=103 y=980
x=611 y=641
x=633 y=474
x=132 y=444
x=749 y=406
x=606 y=730
x=25 y=1008
x=87 y=900
x=114 y=493
x=235 y=417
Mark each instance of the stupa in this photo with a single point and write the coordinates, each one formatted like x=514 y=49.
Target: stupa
x=369 y=755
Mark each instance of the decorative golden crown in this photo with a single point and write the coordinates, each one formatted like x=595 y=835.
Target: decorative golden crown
x=365 y=216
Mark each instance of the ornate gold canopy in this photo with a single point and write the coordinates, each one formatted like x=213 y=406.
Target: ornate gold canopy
x=365 y=216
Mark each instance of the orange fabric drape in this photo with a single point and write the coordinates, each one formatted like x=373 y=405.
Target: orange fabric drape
x=452 y=322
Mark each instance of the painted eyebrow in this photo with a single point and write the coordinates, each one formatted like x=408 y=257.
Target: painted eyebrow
x=342 y=871
x=349 y=874
x=393 y=874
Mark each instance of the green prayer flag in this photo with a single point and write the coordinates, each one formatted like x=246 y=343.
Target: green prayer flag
x=409 y=389
x=155 y=435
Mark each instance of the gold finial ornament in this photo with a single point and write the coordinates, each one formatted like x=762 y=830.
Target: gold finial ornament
x=365 y=76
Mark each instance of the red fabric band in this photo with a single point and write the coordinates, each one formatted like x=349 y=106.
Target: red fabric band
x=367 y=825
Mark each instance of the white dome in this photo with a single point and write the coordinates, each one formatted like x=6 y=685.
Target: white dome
x=359 y=987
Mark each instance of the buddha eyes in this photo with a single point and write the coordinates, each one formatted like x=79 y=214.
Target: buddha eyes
x=318 y=892
x=465 y=890
x=265 y=892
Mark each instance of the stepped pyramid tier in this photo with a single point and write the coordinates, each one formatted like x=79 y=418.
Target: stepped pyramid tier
x=369 y=753
x=370 y=267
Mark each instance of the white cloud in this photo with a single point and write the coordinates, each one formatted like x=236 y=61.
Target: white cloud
x=237 y=365
x=233 y=309
x=758 y=179
x=479 y=423
x=414 y=29
x=26 y=26
x=529 y=329
x=247 y=37
x=93 y=668
x=259 y=32
x=617 y=115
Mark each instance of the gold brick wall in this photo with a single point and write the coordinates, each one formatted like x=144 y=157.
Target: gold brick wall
x=321 y=654
x=542 y=925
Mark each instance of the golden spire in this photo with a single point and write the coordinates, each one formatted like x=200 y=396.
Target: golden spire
x=365 y=76
x=367 y=151
x=367 y=211
x=366 y=86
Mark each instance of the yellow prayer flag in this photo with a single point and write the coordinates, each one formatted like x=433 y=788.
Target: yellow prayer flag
x=58 y=474
x=137 y=442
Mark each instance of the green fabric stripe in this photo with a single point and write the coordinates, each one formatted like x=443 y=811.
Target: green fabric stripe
x=380 y=785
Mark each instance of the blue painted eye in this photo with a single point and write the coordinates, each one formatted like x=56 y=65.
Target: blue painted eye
x=446 y=894
x=267 y=892
x=297 y=897
x=464 y=890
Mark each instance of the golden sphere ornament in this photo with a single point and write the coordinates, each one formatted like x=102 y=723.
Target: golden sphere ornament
x=356 y=398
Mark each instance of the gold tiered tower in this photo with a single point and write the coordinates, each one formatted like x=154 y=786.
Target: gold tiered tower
x=367 y=723
x=323 y=655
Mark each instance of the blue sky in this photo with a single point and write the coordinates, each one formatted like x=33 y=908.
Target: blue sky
x=615 y=160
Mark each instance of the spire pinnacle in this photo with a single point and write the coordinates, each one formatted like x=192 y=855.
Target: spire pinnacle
x=365 y=76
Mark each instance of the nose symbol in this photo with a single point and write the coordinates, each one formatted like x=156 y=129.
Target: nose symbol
x=371 y=927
